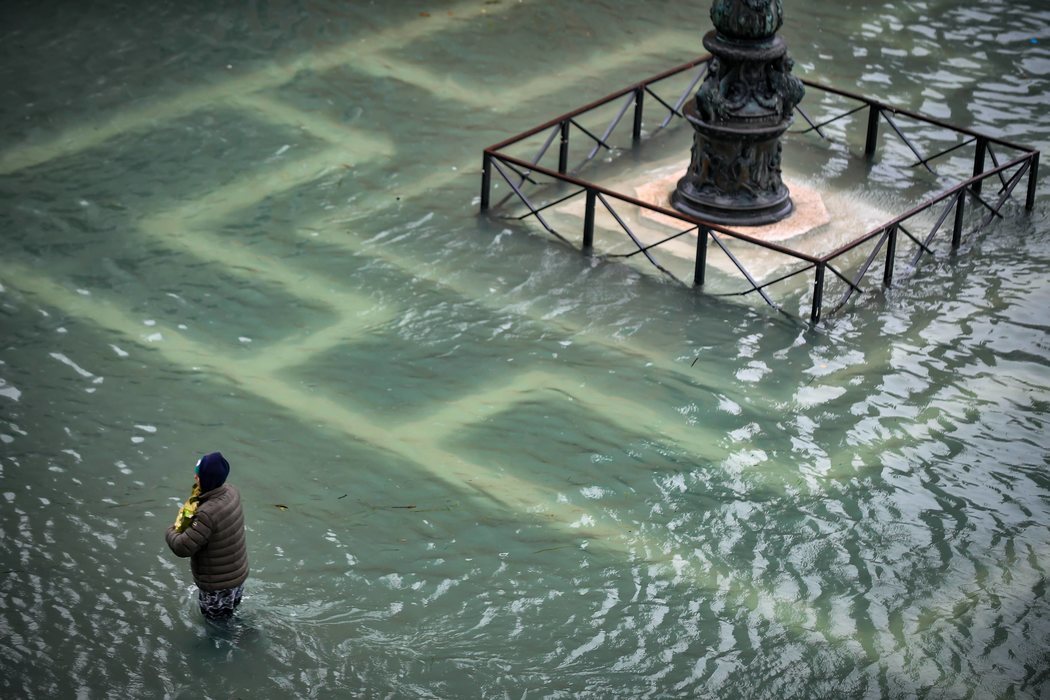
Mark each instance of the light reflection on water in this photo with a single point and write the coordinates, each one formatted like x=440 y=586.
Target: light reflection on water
x=502 y=476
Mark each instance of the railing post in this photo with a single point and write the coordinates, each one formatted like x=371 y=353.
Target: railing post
x=872 y=142
x=639 y=108
x=588 y=220
x=960 y=216
x=563 y=155
x=818 y=292
x=1033 y=174
x=700 y=273
x=978 y=162
x=486 y=180
x=891 y=257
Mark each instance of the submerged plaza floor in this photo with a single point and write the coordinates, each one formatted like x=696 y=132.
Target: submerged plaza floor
x=474 y=462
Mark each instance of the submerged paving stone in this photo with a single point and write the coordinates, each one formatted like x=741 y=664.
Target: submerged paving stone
x=135 y=174
x=809 y=211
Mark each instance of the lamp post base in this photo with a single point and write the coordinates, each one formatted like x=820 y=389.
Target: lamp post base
x=734 y=175
x=732 y=215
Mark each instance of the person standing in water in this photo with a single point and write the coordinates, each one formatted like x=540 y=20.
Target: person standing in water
x=212 y=536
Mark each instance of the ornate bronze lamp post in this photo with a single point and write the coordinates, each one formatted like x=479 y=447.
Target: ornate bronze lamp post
x=740 y=112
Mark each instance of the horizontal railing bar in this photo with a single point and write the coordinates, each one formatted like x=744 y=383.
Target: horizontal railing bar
x=922 y=207
x=888 y=111
x=644 y=84
x=601 y=102
x=659 y=210
x=914 y=115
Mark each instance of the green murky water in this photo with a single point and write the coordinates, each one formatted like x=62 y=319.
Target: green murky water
x=254 y=228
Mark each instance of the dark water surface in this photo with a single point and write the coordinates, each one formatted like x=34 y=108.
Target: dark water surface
x=253 y=227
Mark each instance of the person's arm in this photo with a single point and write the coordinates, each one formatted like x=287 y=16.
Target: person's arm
x=192 y=539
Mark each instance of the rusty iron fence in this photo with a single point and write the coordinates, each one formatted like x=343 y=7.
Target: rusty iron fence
x=1008 y=166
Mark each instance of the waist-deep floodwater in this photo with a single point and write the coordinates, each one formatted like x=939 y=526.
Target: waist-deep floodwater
x=475 y=463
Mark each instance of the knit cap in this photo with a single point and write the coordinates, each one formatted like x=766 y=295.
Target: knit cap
x=212 y=470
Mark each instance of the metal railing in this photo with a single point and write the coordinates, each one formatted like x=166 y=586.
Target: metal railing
x=517 y=171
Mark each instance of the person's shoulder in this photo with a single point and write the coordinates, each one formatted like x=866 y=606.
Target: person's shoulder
x=224 y=500
x=231 y=496
x=223 y=494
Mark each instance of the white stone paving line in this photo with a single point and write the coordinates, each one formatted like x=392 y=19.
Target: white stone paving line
x=517 y=93
x=188 y=228
x=358 y=317
x=506 y=489
x=269 y=109
x=86 y=136
x=345 y=239
x=630 y=417
x=306 y=404
x=257 y=186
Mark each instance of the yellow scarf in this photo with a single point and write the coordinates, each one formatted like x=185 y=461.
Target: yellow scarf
x=188 y=509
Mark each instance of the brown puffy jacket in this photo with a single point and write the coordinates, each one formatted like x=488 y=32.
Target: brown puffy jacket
x=215 y=541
